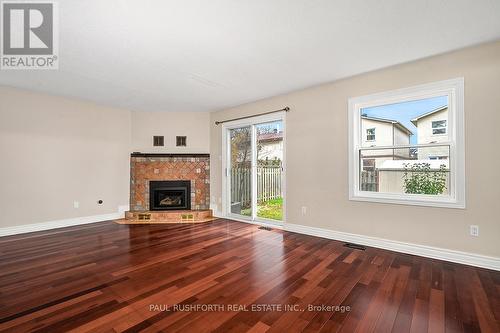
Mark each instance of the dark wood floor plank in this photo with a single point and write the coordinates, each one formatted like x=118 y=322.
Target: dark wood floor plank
x=104 y=277
x=453 y=322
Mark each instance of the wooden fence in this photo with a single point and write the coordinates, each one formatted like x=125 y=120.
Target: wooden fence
x=369 y=180
x=268 y=184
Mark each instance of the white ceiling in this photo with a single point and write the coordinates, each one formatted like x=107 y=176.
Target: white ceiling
x=186 y=55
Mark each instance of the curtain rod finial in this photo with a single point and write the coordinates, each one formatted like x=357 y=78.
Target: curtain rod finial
x=286 y=108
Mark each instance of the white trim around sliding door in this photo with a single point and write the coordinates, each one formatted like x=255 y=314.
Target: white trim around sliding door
x=279 y=116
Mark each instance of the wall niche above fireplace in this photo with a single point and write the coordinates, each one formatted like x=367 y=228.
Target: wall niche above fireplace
x=170 y=195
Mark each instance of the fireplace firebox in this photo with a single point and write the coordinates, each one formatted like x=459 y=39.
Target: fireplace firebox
x=170 y=195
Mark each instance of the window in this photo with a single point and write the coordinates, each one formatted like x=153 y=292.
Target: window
x=369 y=164
x=158 y=141
x=180 y=141
x=419 y=152
x=370 y=134
x=439 y=127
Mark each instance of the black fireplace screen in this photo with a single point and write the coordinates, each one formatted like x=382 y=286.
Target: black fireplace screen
x=170 y=195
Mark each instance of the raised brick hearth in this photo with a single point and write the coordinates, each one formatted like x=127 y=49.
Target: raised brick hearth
x=147 y=167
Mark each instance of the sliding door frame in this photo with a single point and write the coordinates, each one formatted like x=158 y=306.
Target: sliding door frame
x=226 y=182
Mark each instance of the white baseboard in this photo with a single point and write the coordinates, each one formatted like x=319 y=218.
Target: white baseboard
x=459 y=257
x=415 y=249
x=123 y=208
x=21 y=229
x=409 y=248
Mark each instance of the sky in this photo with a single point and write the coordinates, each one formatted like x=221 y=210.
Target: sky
x=269 y=127
x=404 y=112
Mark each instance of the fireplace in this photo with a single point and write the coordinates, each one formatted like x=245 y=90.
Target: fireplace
x=170 y=195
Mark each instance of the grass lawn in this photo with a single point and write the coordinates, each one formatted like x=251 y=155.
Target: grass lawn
x=272 y=209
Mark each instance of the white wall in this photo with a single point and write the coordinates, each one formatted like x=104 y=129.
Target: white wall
x=401 y=137
x=317 y=134
x=383 y=137
x=194 y=125
x=271 y=150
x=424 y=126
x=386 y=134
x=425 y=135
x=54 y=151
x=383 y=133
x=392 y=181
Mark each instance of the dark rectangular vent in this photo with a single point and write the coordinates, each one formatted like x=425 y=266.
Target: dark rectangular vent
x=265 y=228
x=158 y=141
x=355 y=246
x=180 y=141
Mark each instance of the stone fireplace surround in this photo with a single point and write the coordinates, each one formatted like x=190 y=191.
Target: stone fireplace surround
x=147 y=167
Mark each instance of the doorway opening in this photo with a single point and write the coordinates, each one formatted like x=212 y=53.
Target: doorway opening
x=254 y=167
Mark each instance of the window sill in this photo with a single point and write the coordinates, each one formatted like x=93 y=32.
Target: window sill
x=408 y=199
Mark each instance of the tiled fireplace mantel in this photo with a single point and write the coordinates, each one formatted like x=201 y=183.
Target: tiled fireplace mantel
x=147 y=167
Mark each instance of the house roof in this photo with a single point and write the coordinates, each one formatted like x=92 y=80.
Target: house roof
x=270 y=136
x=441 y=108
x=390 y=121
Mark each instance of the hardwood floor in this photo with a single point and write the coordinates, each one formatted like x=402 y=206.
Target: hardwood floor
x=107 y=277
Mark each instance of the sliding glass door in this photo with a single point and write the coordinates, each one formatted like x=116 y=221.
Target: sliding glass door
x=254 y=169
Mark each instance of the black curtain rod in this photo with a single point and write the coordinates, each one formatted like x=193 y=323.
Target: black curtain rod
x=286 y=109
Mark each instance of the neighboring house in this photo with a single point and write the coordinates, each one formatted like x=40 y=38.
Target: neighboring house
x=383 y=132
x=433 y=128
x=270 y=146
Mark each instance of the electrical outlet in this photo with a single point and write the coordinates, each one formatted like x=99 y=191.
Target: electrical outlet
x=76 y=204
x=474 y=230
x=304 y=210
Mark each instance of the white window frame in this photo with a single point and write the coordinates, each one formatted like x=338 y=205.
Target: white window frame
x=445 y=127
x=374 y=134
x=454 y=89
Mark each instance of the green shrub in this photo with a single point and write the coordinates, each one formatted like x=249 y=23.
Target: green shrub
x=420 y=179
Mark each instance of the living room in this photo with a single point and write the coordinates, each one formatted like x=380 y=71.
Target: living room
x=249 y=166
